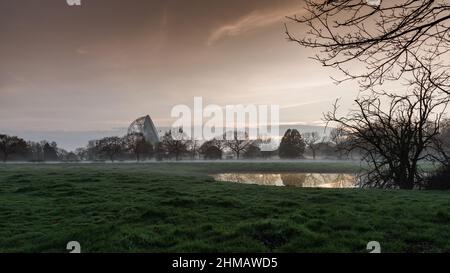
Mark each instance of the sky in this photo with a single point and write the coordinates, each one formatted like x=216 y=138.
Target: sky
x=90 y=70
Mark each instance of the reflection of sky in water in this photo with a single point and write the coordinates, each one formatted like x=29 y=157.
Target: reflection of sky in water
x=307 y=180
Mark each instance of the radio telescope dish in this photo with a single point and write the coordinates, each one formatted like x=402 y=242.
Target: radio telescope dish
x=145 y=126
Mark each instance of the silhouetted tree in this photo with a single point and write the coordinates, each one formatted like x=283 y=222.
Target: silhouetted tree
x=388 y=40
x=137 y=144
x=311 y=141
x=37 y=154
x=395 y=137
x=10 y=145
x=82 y=153
x=253 y=151
x=373 y=43
x=212 y=149
x=238 y=142
x=71 y=157
x=326 y=149
x=442 y=144
x=175 y=143
x=193 y=148
x=439 y=180
x=49 y=151
x=292 y=145
x=339 y=138
x=160 y=152
x=111 y=147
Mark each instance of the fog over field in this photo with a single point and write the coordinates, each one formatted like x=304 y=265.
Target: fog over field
x=70 y=140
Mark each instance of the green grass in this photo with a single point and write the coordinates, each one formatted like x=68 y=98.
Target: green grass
x=177 y=207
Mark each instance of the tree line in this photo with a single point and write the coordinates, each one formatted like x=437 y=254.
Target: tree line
x=13 y=148
x=175 y=145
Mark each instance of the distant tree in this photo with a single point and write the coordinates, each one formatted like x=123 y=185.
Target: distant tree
x=439 y=180
x=441 y=145
x=311 y=141
x=193 y=148
x=326 y=149
x=160 y=152
x=92 y=150
x=71 y=157
x=175 y=143
x=110 y=147
x=11 y=145
x=238 y=143
x=82 y=153
x=212 y=149
x=37 y=154
x=292 y=145
x=49 y=151
x=339 y=138
x=253 y=151
x=137 y=144
x=144 y=150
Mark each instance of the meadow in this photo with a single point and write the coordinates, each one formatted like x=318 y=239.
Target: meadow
x=178 y=207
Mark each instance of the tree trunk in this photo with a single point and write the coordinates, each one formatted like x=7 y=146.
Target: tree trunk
x=137 y=157
x=408 y=185
x=405 y=180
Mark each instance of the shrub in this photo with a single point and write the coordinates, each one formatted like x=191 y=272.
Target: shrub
x=440 y=180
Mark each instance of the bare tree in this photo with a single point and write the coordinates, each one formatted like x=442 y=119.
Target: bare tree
x=238 y=143
x=395 y=137
x=111 y=147
x=175 y=143
x=311 y=141
x=339 y=137
x=193 y=148
x=388 y=39
x=82 y=153
x=136 y=143
x=37 y=154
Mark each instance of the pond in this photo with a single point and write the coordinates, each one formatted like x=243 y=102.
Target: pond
x=306 y=180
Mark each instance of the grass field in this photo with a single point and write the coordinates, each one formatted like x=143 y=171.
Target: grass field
x=177 y=207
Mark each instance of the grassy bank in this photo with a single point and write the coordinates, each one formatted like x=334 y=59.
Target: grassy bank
x=168 y=207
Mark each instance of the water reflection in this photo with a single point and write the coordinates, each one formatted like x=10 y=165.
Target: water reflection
x=308 y=180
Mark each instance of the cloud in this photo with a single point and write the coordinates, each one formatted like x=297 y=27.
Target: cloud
x=255 y=19
x=304 y=103
x=82 y=51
